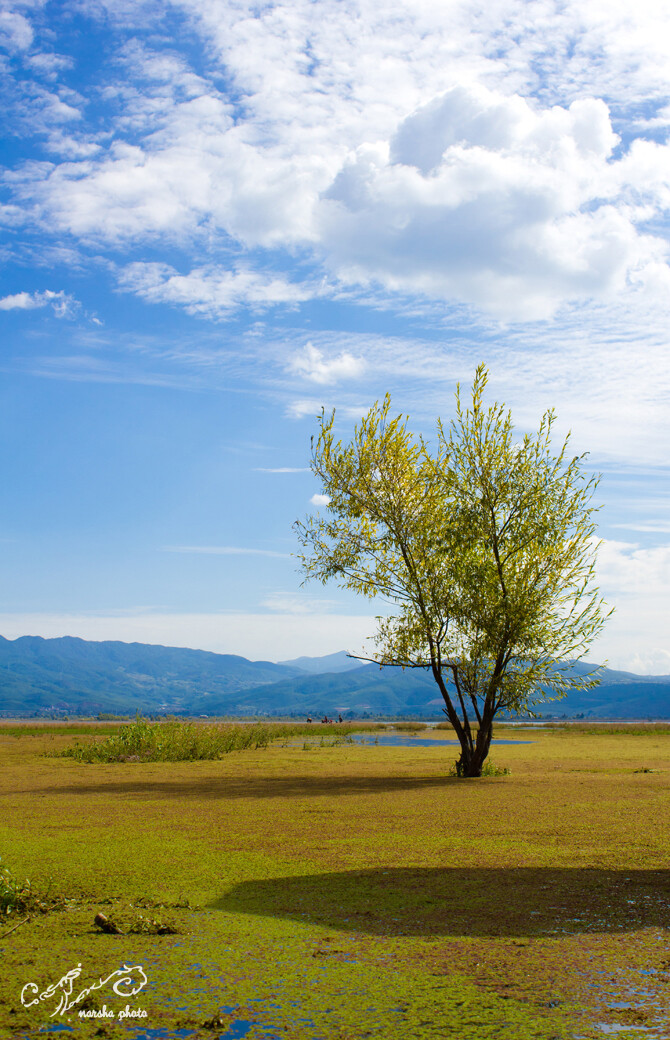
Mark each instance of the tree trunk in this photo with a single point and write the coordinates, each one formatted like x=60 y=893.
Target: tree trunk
x=472 y=759
x=474 y=751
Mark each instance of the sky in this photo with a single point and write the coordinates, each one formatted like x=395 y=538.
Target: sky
x=218 y=217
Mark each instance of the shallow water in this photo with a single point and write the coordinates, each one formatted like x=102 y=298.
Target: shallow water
x=406 y=740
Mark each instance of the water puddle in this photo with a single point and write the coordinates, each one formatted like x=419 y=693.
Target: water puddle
x=161 y=1034
x=605 y=1027
x=406 y=740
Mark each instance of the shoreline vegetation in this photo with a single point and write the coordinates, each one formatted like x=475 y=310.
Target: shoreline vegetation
x=176 y=740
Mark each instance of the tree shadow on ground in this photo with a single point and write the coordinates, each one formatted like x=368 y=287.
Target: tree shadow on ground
x=468 y=902
x=293 y=786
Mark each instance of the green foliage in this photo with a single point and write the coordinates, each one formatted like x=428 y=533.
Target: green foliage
x=17 y=895
x=14 y=894
x=143 y=741
x=484 y=545
x=489 y=768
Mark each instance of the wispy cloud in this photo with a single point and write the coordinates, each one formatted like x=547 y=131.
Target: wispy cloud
x=86 y=368
x=659 y=527
x=290 y=603
x=212 y=291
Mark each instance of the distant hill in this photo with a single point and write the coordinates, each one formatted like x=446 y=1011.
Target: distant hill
x=339 y=662
x=75 y=676
x=391 y=691
x=369 y=690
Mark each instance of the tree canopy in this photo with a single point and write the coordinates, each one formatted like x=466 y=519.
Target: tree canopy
x=483 y=544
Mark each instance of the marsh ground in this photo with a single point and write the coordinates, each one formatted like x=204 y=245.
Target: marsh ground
x=350 y=891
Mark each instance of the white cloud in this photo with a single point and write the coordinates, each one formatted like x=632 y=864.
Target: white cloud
x=211 y=291
x=628 y=569
x=320 y=500
x=585 y=364
x=635 y=580
x=290 y=603
x=654 y=661
x=49 y=64
x=438 y=150
x=311 y=408
x=63 y=305
x=21 y=301
x=16 y=32
x=311 y=364
x=304 y=407
x=486 y=199
x=657 y=527
x=69 y=147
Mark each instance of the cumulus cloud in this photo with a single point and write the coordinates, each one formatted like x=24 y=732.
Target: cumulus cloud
x=425 y=153
x=441 y=152
x=16 y=32
x=21 y=301
x=193 y=170
x=49 y=64
x=320 y=500
x=63 y=305
x=313 y=365
x=486 y=199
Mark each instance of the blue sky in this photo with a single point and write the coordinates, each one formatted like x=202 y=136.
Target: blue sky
x=218 y=217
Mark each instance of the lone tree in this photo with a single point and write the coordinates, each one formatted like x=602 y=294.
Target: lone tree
x=485 y=546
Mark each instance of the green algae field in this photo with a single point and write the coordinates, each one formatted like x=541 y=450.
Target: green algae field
x=313 y=889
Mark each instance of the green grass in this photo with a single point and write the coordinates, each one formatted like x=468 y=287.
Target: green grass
x=15 y=893
x=350 y=892
x=144 y=741
x=19 y=897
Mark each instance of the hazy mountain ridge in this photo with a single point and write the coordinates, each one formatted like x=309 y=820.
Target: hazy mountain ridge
x=79 y=676
x=339 y=662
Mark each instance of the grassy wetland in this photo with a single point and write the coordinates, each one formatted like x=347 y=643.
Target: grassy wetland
x=324 y=889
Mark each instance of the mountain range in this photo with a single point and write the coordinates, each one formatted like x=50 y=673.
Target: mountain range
x=75 y=676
